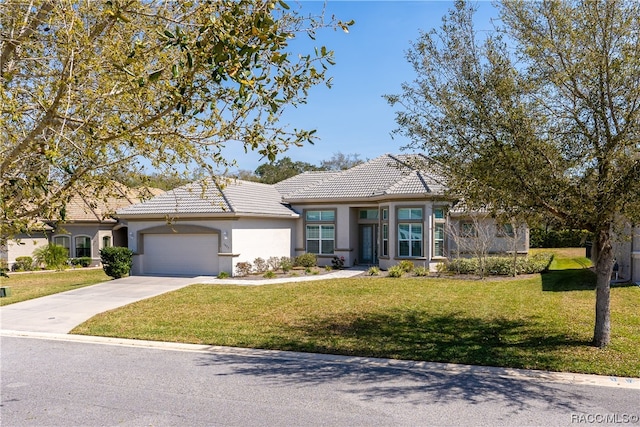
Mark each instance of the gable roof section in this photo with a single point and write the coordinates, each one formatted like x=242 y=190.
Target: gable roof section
x=305 y=179
x=235 y=197
x=382 y=176
x=101 y=206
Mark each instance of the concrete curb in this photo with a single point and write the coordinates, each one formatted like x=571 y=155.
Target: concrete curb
x=522 y=374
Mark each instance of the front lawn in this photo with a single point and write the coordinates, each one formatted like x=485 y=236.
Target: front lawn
x=538 y=322
x=25 y=286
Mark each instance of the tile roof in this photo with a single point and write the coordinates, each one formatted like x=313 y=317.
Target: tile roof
x=384 y=175
x=209 y=197
x=303 y=180
x=101 y=205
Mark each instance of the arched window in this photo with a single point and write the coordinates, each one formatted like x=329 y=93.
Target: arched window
x=63 y=241
x=83 y=246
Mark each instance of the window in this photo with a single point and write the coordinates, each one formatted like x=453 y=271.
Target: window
x=468 y=229
x=385 y=214
x=385 y=239
x=368 y=213
x=410 y=240
x=409 y=213
x=106 y=241
x=505 y=230
x=438 y=232
x=83 y=246
x=63 y=241
x=320 y=238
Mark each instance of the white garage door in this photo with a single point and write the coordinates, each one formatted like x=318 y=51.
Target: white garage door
x=185 y=254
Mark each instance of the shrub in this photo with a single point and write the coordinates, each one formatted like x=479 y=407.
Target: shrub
x=441 y=268
x=273 y=263
x=243 y=268
x=260 y=265
x=421 y=271
x=52 y=256
x=82 y=262
x=116 y=261
x=223 y=275
x=285 y=264
x=373 y=271
x=338 y=262
x=270 y=274
x=539 y=238
x=4 y=268
x=537 y=263
x=306 y=260
x=499 y=266
x=396 y=271
x=463 y=265
x=406 y=265
x=328 y=268
x=23 y=263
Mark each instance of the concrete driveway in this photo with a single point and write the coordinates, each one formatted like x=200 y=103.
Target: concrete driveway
x=60 y=313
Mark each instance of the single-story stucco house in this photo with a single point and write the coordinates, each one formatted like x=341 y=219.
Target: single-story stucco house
x=376 y=213
x=88 y=227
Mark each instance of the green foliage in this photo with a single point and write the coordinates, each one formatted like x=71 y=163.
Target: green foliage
x=463 y=265
x=286 y=264
x=421 y=271
x=82 y=261
x=270 y=173
x=53 y=257
x=223 y=275
x=4 y=268
x=243 y=269
x=502 y=265
x=140 y=87
x=269 y=274
x=306 y=260
x=539 y=238
x=373 y=271
x=116 y=261
x=406 y=265
x=23 y=263
x=338 y=262
x=396 y=271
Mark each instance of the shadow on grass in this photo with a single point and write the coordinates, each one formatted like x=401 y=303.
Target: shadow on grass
x=413 y=335
x=580 y=279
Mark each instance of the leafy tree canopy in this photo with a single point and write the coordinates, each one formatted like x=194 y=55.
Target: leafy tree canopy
x=541 y=116
x=284 y=168
x=91 y=88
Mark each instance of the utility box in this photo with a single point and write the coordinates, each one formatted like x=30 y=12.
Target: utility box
x=5 y=291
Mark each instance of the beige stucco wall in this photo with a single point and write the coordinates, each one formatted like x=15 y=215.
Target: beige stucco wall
x=23 y=245
x=241 y=239
x=93 y=231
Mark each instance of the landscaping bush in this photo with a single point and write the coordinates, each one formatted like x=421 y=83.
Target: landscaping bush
x=82 y=262
x=338 y=262
x=223 y=275
x=116 y=261
x=243 y=268
x=463 y=265
x=270 y=274
x=4 y=268
x=286 y=264
x=538 y=263
x=306 y=260
x=260 y=265
x=23 y=263
x=273 y=263
x=421 y=271
x=406 y=265
x=396 y=271
x=52 y=256
x=373 y=271
x=539 y=238
x=499 y=266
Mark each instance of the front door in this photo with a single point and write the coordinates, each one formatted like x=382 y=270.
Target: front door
x=368 y=244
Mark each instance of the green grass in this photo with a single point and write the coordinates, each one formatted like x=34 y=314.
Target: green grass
x=530 y=323
x=27 y=286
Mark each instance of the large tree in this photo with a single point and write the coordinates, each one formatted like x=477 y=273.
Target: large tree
x=540 y=116
x=92 y=88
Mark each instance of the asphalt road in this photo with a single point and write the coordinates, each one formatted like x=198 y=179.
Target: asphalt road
x=47 y=382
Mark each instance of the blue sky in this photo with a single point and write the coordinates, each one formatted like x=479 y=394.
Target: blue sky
x=352 y=117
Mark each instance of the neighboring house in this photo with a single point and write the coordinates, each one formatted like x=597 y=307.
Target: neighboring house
x=376 y=213
x=627 y=254
x=88 y=227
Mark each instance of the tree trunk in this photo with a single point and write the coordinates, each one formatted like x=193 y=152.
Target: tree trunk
x=604 y=268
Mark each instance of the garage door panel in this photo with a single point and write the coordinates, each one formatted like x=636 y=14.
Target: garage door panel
x=188 y=254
